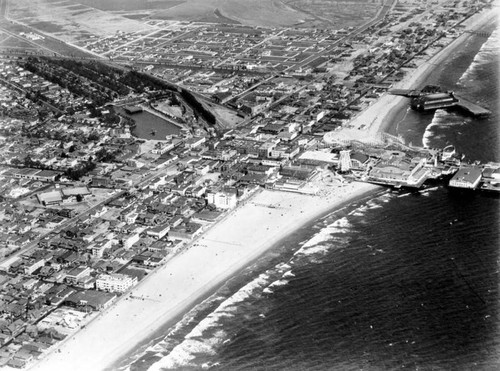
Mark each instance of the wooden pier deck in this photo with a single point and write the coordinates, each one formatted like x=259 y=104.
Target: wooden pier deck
x=472 y=108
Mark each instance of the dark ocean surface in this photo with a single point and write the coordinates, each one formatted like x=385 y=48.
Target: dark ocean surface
x=400 y=281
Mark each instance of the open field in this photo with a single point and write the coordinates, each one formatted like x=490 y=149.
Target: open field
x=105 y=17
x=66 y=22
x=274 y=13
x=250 y=12
x=336 y=13
x=129 y=5
x=8 y=42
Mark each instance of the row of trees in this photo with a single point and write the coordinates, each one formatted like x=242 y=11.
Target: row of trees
x=198 y=108
x=102 y=83
x=71 y=81
x=96 y=72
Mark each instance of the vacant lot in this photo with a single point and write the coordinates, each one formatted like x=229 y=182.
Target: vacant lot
x=336 y=13
x=276 y=13
x=62 y=19
x=105 y=17
x=268 y=13
x=128 y=5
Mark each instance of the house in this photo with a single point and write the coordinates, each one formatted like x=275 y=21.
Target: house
x=76 y=274
x=99 y=247
x=30 y=284
x=31 y=267
x=185 y=231
x=99 y=211
x=131 y=217
x=130 y=240
x=158 y=231
x=90 y=299
x=176 y=221
x=68 y=213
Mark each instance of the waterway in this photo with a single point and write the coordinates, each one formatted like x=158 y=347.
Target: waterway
x=151 y=126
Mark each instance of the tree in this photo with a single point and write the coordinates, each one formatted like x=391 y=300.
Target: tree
x=16 y=162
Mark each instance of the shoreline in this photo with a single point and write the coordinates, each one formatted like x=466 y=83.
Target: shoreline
x=161 y=331
x=176 y=287
x=431 y=75
x=180 y=284
x=381 y=116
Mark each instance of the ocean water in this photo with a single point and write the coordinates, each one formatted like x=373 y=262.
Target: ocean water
x=399 y=281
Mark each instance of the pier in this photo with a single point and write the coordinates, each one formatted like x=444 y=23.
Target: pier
x=406 y=167
x=484 y=177
x=455 y=102
x=471 y=108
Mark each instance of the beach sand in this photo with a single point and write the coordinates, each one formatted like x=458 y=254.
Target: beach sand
x=224 y=250
x=379 y=116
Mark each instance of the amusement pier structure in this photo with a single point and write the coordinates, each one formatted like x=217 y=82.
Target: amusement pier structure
x=431 y=97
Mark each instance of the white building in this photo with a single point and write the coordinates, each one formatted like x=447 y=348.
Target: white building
x=130 y=240
x=345 y=160
x=466 y=177
x=115 y=282
x=225 y=199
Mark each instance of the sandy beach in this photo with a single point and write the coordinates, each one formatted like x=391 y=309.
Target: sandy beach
x=225 y=249
x=244 y=235
x=380 y=115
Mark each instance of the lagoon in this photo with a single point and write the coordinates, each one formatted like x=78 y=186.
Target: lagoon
x=150 y=126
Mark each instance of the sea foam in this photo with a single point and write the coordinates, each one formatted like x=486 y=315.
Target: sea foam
x=488 y=49
x=197 y=341
x=437 y=120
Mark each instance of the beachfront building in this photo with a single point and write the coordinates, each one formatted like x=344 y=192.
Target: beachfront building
x=466 y=177
x=225 y=199
x=115 y=282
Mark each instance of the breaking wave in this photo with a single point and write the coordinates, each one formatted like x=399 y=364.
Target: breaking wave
x=488 y=50
x=437 y=132
x=206 y=337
